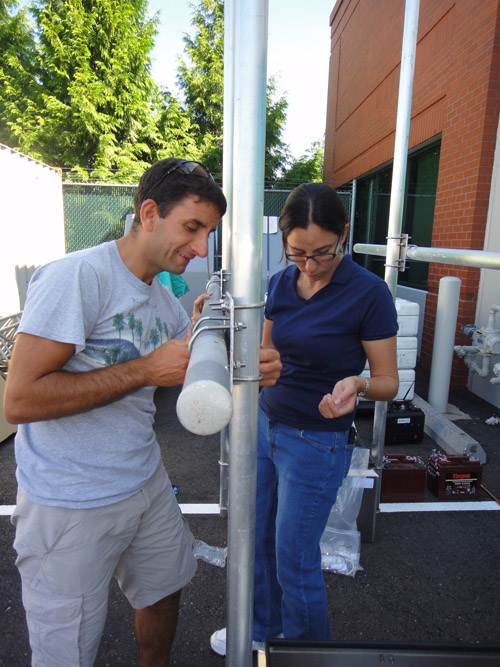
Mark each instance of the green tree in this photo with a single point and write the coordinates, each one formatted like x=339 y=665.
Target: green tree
x=200 y=78
x=277 y=153
x=96 y=105
x=307 y=169
x=18 y=57
x=176 y=130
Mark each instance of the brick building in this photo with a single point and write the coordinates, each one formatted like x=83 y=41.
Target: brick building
x=453 y=135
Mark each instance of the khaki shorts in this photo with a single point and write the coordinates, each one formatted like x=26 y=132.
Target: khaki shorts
x=67 y=557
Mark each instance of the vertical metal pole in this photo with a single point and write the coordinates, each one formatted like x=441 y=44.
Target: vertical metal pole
x=353 y=213
x=398 y=188
x=227 y=184
x=251 y=28
x=228 y=129
x=444 y=340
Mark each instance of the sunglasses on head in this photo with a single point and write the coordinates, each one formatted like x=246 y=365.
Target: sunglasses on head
x=184 y=167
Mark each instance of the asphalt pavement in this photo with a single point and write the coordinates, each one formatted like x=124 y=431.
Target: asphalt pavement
x=428 y=576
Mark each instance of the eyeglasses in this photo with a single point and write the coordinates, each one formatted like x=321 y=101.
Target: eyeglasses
x=184 y=167
x=319 y=258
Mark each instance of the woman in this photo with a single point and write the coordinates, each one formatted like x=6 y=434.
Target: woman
x=325 y=315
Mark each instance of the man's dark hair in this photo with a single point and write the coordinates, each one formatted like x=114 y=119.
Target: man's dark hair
x=171 y=190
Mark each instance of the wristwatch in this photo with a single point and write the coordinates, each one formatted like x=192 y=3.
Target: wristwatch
x=364 y=391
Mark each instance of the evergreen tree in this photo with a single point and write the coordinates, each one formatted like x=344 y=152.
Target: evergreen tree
x=176 y=130
x=95 y=104
x=307 y=169
x=200 y=78
x=17 y=69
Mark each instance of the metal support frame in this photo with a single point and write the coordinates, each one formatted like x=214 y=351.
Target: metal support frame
x=400 y=242
x=394 y=236
x=481 y=259
x=245 y=78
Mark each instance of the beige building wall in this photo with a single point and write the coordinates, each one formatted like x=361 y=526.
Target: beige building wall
x=489 y=286
x=31 y=220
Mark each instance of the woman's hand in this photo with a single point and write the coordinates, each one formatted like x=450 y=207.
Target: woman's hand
x=198 y=306
x=269 y=366
x=342 y=400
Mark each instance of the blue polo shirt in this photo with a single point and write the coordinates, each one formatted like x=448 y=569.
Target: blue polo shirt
x=319 y=340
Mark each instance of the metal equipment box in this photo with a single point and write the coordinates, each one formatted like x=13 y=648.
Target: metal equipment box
x=404 y=423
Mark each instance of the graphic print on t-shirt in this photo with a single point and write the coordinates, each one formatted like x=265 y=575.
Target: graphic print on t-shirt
x=110 y=351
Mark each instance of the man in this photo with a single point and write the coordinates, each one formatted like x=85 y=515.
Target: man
x=99 y=333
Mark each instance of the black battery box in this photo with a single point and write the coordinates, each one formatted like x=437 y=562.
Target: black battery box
x=404 y=423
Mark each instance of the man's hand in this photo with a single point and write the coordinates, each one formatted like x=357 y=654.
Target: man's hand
x=168 y=363
x=37 y=388
x=269 y=366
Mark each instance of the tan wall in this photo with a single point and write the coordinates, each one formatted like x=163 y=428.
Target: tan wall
x=31 y=220
x=456 y=95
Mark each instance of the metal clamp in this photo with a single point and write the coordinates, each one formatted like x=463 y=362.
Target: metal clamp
x=226 y=322
x=403 y=245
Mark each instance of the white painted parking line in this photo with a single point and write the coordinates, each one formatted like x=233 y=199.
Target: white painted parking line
x=444 y=506
x=462 y=506
x=193 y=508
x=186 y=508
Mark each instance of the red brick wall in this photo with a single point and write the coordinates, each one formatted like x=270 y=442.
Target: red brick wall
x=456 y=95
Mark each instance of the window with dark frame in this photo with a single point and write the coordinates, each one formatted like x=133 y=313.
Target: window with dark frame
x=372 y=212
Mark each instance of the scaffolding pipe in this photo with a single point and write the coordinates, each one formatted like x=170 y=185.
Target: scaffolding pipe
x=205 y=406
x=444 y=340
x=250 y=73
x=408 y=50
x=227 y=184
x=353 y=213
x=481 y=259
x=228 y=130
x=401 y=142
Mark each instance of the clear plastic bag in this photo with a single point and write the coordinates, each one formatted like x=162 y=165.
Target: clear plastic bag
x=211 y=555
x=341 y=540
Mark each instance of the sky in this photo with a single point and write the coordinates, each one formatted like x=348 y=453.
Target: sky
x=298 y=55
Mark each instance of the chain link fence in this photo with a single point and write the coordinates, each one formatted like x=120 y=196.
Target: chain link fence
x=96 y=212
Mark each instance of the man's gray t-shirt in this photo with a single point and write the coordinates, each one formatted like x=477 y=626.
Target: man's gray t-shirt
x=91 y=300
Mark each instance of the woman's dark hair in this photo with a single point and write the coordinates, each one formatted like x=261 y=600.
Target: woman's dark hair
x=312 y=202
x=174 y=188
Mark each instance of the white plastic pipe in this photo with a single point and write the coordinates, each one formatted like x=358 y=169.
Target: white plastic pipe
x=496 y=371
x=483 y=369
x=444 y=341
x=490 y=327
x=481 y=259
x=205 y=405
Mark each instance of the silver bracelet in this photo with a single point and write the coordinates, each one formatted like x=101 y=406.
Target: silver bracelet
x=364 y=391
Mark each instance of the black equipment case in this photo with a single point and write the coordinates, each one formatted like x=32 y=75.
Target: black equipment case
x=404 y=424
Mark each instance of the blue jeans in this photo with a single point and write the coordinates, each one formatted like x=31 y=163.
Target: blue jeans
x=298 y=476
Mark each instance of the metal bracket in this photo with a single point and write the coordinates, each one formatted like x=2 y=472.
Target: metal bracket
x=403 y=246
x=226 y=322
